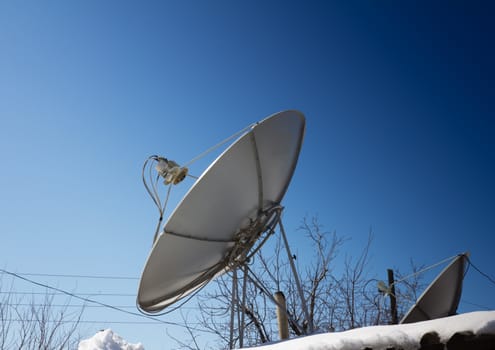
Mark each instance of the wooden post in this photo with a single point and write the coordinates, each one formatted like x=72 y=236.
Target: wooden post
x=393 y=300
x=283 y=324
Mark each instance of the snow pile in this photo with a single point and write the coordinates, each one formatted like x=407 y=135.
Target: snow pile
x=108 y=340
x=406 y=337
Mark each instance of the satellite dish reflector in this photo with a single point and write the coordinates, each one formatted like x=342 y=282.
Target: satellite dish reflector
x=217 y=222
x=442 y=296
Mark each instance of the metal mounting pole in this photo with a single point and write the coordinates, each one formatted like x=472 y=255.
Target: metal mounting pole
x=232 y=310
x=296 y=277
x=243 y=303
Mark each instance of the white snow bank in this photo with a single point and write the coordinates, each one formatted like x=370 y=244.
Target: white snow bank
x=108 y=340
x=405 y=336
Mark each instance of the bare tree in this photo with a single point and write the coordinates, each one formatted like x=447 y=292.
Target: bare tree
x=6 y=339
x=335 y=301
x=357 y=308
x=189 y=343
x=37 y=324
x=318 y=273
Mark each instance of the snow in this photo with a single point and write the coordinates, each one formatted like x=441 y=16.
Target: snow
x=108 y=340
x=406 y=337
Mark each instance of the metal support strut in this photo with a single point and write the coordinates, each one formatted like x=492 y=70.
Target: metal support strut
x=233 y=308
x=296 y=277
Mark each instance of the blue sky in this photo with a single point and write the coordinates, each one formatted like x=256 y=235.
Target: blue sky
x=400 y=124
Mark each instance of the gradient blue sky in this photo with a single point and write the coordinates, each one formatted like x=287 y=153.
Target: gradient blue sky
x=399 y=100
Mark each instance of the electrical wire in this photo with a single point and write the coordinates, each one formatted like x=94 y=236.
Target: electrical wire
x=92 y=301
x=86 y=294
x=488 y=277
x=153 y=192
x=77 y=276
x=86 y=306
x=71 y=305
x=101 y=322
x=77 y=321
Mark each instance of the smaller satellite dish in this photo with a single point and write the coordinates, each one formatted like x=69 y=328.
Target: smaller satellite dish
x=442 y=296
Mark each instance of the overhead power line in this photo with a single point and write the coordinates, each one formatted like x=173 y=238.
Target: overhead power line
x=59 y=293
x=95 y=301
x=83 y=306
x=93 y=321
x=77 y=276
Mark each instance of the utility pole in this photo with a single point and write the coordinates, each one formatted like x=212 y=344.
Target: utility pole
x=393 y=300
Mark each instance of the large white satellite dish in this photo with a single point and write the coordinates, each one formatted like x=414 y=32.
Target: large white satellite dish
x=442 y=296
x=232 y=203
